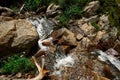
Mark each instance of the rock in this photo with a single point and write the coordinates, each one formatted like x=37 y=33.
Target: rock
x=4 y=11
x=85 y=42
x=53 y=10
x=113 y=32
x=46 y=43
x=99 y=36
x=91 y=19
x=104 y=22
x=87 y=28
x=64 y=36
x=19 y=75
x=2 y=18
x=16 y=36
x=65 y=48
x=111 y=51
x=79 y=36
x=52 y=49
x=91 y=9
x=80 y=22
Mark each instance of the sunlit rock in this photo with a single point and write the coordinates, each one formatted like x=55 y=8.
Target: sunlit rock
x=16 y=36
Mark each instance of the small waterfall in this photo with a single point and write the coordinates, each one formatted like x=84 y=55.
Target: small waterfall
x=43 y=26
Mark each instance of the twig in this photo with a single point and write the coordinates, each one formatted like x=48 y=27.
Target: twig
x=21 y=8
x=42 y=72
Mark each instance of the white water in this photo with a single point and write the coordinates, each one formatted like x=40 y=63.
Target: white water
x=63 y=61
x=41 y=46
x=44 y=27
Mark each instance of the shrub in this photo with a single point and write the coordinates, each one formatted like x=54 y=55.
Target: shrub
x=34 y=4
x=16 y=64
x=63 y=20
x=66 y=3
x=73 y=11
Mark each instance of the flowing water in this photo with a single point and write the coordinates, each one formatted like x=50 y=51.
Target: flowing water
x=44 y=27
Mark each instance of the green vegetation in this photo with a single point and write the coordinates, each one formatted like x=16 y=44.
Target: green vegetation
x=95 y=25
x=16 y=64
x=111 y=8
x=63 y=20
x=32 y=4
x=73 y=11
x=35 y=4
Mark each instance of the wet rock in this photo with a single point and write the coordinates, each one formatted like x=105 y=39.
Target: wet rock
x=46 y=43
x=111 y=51
x=65 y=48
x=91 y=9
x=52 y=49
x=104 y=57
x=53 y=10
x=64 y=36
x=16 y=36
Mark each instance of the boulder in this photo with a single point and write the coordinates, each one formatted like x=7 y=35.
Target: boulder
x=64 y=36
x=91 y=9
x=16 y=36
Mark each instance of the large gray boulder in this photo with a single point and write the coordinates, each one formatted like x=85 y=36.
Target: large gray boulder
x=17 y=36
